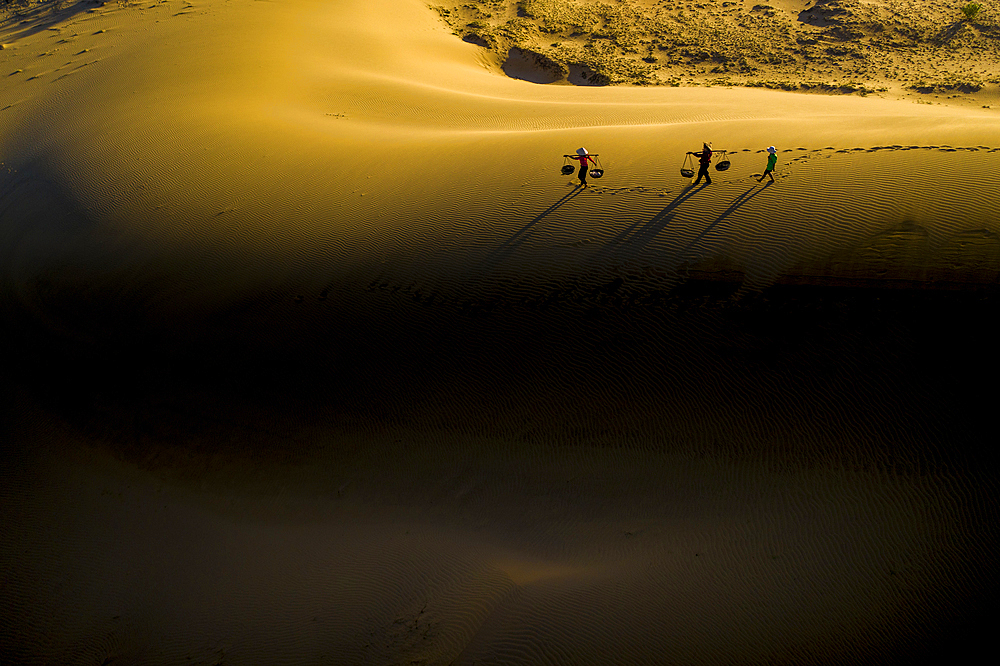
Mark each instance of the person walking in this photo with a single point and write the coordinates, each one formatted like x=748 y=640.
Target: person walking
x=772 y=159
x=704 y=159
x=585 y=161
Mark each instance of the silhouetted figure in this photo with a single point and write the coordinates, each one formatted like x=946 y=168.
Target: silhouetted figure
x=704 y=159
x=772 y=159
x=585 y=161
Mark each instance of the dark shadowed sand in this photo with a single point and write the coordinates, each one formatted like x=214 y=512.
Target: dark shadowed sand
x=314 y=358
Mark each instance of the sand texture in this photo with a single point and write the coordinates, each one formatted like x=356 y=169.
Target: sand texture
x=315 y=357
x=895 y=48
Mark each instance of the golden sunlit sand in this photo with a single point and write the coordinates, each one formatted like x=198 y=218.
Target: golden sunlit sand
x=316 y=357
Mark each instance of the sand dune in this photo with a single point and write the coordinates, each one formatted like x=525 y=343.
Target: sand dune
x=315 y=357
x=908 y=48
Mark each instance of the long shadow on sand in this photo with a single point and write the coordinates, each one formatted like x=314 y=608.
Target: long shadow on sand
x=737 y=202
x=521 y=235
x=640 y=234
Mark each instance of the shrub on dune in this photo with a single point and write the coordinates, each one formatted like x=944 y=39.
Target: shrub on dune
x=971 y=10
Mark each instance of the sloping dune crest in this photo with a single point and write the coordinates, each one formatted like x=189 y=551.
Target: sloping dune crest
x=316 y=357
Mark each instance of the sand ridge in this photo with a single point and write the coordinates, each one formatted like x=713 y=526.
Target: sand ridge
x=834 y=46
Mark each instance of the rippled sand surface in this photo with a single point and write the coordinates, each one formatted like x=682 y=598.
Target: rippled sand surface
x=313 y=356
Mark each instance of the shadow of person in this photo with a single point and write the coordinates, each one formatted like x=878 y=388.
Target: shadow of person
x=521 y=235
x=733 y=207
x=640 y=233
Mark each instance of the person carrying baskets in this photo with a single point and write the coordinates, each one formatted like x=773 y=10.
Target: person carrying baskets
x=704 y=160
x=585 y=161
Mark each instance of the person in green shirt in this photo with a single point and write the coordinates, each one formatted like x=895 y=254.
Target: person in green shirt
x=772 y=159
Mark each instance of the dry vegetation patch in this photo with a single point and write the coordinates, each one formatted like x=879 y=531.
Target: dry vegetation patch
x=849 y=46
